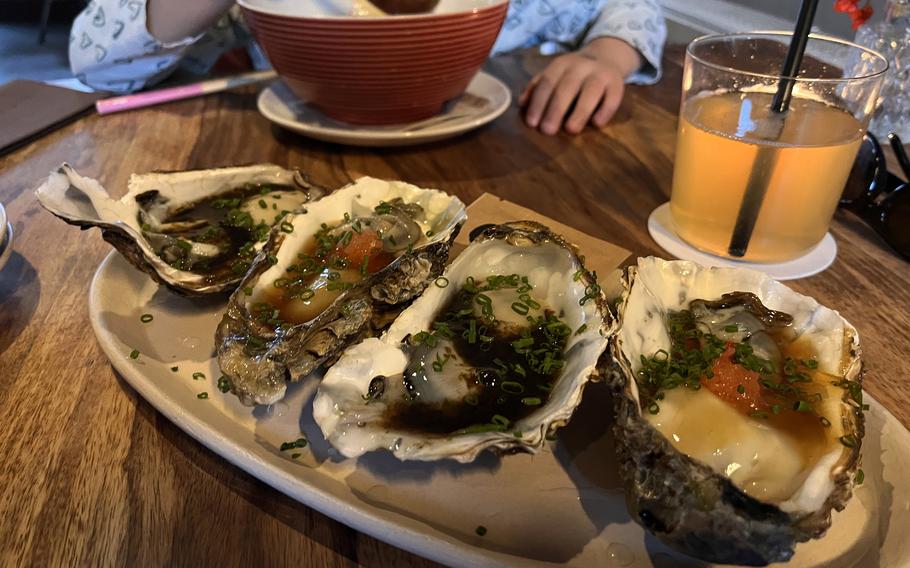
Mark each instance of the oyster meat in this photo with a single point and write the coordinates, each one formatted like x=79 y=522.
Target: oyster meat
x=196 y=232
x=739 y=410
x=495 y=354
x=334 y=272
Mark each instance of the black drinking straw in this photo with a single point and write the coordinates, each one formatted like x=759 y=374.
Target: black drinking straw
x=759 y=178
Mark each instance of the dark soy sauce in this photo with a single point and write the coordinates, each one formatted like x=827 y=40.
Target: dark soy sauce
x=505 y=383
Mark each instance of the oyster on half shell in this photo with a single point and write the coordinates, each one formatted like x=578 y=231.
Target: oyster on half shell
x=334 y=272
x=193 y=231
x=495 y=354
x=739 y=410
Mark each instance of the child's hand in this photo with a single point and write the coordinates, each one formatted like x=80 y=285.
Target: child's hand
x=592 y=77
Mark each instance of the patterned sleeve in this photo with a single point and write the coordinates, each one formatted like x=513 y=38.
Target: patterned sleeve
x=639 y=23
x=111 y=48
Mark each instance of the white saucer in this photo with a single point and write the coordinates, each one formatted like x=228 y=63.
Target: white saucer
x=6 y=245
x=660 y=225
x=485 y=99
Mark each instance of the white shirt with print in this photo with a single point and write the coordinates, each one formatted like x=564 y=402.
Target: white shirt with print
x=111 y=48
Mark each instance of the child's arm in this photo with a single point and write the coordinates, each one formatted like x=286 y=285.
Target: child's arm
x=594 y=75
x=174 y=20
x=624 y=43
x=115 y=46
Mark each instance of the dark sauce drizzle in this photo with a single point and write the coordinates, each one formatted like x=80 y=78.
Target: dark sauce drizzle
x=509 y=369
x=221 y=222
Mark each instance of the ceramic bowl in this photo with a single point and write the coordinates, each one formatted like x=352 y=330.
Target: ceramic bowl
x=367 y=69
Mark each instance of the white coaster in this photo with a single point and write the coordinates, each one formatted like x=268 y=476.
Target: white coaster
x=660 y=225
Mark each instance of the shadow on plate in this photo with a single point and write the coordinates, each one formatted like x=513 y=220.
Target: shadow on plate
x=169 y=337
x=430 y=492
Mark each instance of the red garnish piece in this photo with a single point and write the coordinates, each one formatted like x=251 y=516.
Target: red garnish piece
x=366 y=243
x=735 y=384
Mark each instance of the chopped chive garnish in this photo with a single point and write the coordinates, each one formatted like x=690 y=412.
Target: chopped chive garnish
x=224 y=384
x=825 y=422
x=732 y=328
x=802 y=406
x=501 y=420
x=848 y=441
x=519 y=308
x=480 y=530
x=740 y=389
x=134 y=354
x=512 y=387
x=521 y=345
x=203 y=395
x=198 y=376
x=145 y=318
x=174 y=369
x=860 y=477
x=531 y=401
x=442 y=282
x=298 y=443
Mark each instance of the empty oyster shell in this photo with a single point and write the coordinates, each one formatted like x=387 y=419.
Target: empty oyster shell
x=338 y=270
x=170 y=225
x=494 y=355
x=738 y=475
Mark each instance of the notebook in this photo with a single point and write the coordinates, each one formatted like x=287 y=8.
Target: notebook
x=29 y=109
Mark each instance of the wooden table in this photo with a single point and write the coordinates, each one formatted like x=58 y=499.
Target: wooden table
x=91 y=474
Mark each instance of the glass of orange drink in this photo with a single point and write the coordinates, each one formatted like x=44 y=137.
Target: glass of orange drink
x=730 y=143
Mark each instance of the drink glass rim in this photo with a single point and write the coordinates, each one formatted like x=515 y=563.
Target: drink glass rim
x=779 y=33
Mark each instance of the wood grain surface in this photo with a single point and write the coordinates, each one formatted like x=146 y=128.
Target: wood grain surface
x=90 y=474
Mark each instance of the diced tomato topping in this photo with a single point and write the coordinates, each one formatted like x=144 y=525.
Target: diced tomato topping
x=736 y=384
x=364 y=244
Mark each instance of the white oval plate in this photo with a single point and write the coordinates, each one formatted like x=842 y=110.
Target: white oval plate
x=562 y=506
x=485 y=99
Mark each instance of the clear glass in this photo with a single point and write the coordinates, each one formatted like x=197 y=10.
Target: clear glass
x=798 y=161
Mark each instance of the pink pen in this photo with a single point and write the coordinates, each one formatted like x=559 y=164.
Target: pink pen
x=149 y=98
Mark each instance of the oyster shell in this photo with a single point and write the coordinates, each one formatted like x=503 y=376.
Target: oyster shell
x=306 y=297
x=149 y=225
x=454 y=396
x=714 y=482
